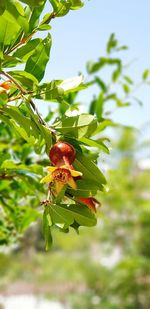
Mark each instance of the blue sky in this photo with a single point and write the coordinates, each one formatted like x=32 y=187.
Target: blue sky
x=81 y=35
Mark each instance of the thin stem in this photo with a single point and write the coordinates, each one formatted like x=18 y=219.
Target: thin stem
x=17 y=97
x=28 y=92
x=25 y=40
x=8 y=177
x=23 y=92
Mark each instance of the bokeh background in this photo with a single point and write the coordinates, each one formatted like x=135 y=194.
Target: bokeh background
x=107 y=266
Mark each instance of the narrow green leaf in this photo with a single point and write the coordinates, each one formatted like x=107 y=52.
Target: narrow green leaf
x=34 y=16
x=2 y=6
x=89 y=169
x=26 y=79
x=17 y=11
x=46 y=228
x=36 y=63
x=9 y=29
x=103 y=125
x=85 y=188
x=21 y=131
x=33 y=3
x=112 y=43
x=3 y=98
x=128 y=80
x=77 y=126
x=10 y=61
x=83 y=215
x=60 y=214
x=145 y=74
x=15 y=114
x=27 y=50
x=94 y=143
x=126 y=88
x=49 y=91
x=68 y=214
x=44 y=27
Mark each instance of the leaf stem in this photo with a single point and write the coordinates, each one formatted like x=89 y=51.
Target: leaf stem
x=23 y=93
x=24 y=40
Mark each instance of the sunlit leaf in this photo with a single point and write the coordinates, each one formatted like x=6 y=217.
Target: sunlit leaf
x=36 y=63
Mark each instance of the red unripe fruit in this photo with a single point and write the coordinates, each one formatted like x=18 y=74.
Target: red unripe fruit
x=62 y=153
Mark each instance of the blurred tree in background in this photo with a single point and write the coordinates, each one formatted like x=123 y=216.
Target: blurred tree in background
x=106 y=266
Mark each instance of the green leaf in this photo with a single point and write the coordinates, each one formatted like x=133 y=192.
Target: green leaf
x=17 y=11
x=145 y=74
x=103 y=125
x=10 y=61
x=94 y=67
x=93 y=143
x=40 y=131
x=12 y=165
x=2 y=6
x=85 y=188
x=128 y=80
x=9 y=30
x=47 y=137
x=77 y=126
x=3 y=98
x=44 y=27
x=61 y=8
x=3 y=158
x=112 y=43
x=100 y=83
x=60 y=214
x=76 y=4
x=34 y=16
x=116 y=74
x=68 y=214
x=46 y=228
x=15 y=114
x=36 y=63
x=126 y=88
x=27 y=50
x=49 y=91
x=20 y=130
x=98 y=106
x=26 y=79
x=83 y=215
x=90 y=171
x=33 y=3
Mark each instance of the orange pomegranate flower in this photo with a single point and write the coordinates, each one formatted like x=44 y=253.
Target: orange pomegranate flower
x=4 y=86
x=61 y=176
x=90 y=202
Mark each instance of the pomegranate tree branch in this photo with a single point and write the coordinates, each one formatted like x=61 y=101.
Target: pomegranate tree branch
x=24 y=40
x=23 y=93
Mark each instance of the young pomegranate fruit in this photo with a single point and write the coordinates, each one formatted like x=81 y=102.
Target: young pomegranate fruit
x=62 y=153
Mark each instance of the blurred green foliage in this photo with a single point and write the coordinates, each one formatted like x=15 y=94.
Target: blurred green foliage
x=106 y=266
